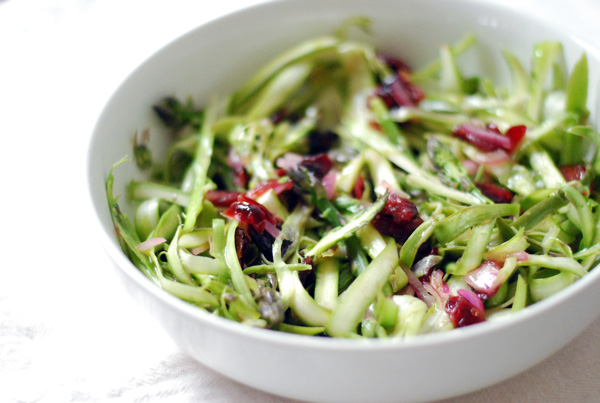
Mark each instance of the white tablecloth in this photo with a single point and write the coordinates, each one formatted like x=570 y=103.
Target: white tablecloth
x=68 y=330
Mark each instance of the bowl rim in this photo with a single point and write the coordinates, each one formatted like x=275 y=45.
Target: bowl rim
x=113 y=250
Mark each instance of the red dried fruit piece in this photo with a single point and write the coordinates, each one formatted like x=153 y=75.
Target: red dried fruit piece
x=489 y=138
x=318 y=164
x=398 y=218
x=398 y=90
x=516 y=134
x=395 y=63
x=249 y=213
x=222 y=198
x=574 y=172
x=359 y=187
x=495 y=193
x=463 y=312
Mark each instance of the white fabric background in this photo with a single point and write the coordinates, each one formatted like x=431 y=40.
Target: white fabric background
x=68 y=330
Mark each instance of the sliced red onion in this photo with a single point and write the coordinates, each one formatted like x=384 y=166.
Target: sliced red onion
x=289 y=161
x=484 y=279
x=492 y=158
x=437 y=280
x=200 y=249
x=489 y=138
x=421 y=292
x=436 y=296
x=483 y=138
x=150 y=243
x=329 y=183
x=472 y=298
x=500 y=257
x=408 y=290
x=471 y=166
x=271 y=229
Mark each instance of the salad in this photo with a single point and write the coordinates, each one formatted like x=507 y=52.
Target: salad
x=340 y=193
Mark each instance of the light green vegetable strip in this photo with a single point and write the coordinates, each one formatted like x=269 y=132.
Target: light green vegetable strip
x=517 y=72
x=476 y=247
x=507 y=270
x=196 y=238
x=199 y=264
x=347 y=177
x=371 y=240
x=520 y=299
x=409 y=249
x=539 y=211
x=305 y=330
x=388 y=126
x=545 y=55
x=305 y=307
x=543 y=164
x=168 y=223
x=303 y=52
x=520 y=180
x=381 y=170
x=355 y=223
x=587 y=132
x=434 y=67
x=292 y=291
x=457 y=223
x=197 y=295
x=326 y=283
x=446 y=119
x=219 y=245
x=541 y=288
x=272 y=203
x=586 y=219
x=146 y=217
x=235 y=270
x=561 y=263
x=432 y=185
x=177 y=268
x=386 y=311
x=200 y=168
x=587 y=252
x=361 y=293
x=518 y=243
x=268 y=268
x=353 y=128
x=451 y=80
x=140 y=190
x=126 y=234
x=577 y=89
x=278 y=90
x=411 y=315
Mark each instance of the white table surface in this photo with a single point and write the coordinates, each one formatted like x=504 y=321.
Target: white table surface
x=68 y=330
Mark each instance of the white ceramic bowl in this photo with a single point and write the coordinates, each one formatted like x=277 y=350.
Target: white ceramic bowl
x=221 y=55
